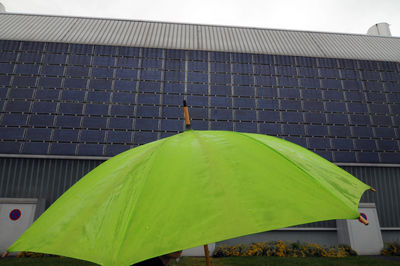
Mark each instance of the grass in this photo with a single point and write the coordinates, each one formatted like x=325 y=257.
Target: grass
x=234 y=261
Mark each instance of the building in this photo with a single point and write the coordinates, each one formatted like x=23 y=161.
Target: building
x=76 y=91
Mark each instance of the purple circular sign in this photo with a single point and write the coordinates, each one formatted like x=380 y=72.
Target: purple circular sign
x=15 y=214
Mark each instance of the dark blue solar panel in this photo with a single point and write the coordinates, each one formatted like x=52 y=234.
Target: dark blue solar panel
x=293 y=129
x=347 y=63
x=126 y=98
x=244 y=91
x=29 y=82
x=72 y=59
x=105 y=50
x=289 y=92
x=334 y=95
x=94 y=122
x=35 y=148
x=44 y=107
x=197 y=66
x=271 y=129
x=70 y=83
x=7 y=57
x=395 y=108
x=152 y=52
x=266 y=92
x=354 y=95
x=119 y=136
x=244 y=102
x=392 y=87
x=197 y=77
x=120 y=110
x=219 y=56
x=379 y=108
x=38 y=133
x=7 y=67
x=352 y=85
x=332 y=107
x=125 y=85
x=265 y=80
x=49 y=82
x=27 y=69
x=171 y=125
x=147 y=111
x=99 y=109
x=267 y=104
x=340 y=131
x=289 y=82
x=242 y=68
x=65 y=135
x=221 y=114
x=14 y=119
x=350 y=74
x=344 y=156
x=197 y=55
x=121 y=123
x=381 y=120
x=241 y=58
x=370 y=75
x=17 y=106
x=146 y=124
x=390 y=157
x=92 y=135
x=365 y=144
x=329 y=73
x=144 y=137
x=102 y=72
x=63 y=148
x=95 y=96
x=292 y=117
x=114 y=149
x=127 y=62
x=246 y=115
x=306 y=61
x=327 y=62
x=342 y=144
x=374 y=86
x=357 y=107
x=177 y=65
x=151 y=63
x=175 y=54
x=243 y=80
x=30 y=57
x=297 y=140
x=286 y=70
x=77 y=71
x=11 y=133
x=247 y=127
x=197 y=113
x=284 y=60
x=152 y=75
x=388 y=145
x=9 y=45
x=32 y=46
x=19 y=93
x=148 y=99
x=220 y=125
x=263 y=59
x=128 y=51
x=81 y=48
x=362 y=131
x=264 y=70
x=220 y=67
x=314 y=106
x=201 y=101
x=90 y=149
x=220 y=90
x=315 y=118
x=310 y=83
x=220 y=78
x=103 y=61
x=41 y=120
x=172 y=112
x=360 y=119
x=390 y=76
x=331 y=84
x=319 y=143
x=338 y=119
x=149 y=86
x=197 y=88
x=172 y=99
x=368 y=65
x=71 y=108
x=173 y=87
x=316 y=130
x=174 y=76
x=52 y=70
x=368 y=157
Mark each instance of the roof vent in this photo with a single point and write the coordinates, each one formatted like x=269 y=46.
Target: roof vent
x=380 y=29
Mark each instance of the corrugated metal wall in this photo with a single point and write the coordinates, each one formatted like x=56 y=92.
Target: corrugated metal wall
x=49 y=178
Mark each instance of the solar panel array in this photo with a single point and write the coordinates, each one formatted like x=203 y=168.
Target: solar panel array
x=88 y=100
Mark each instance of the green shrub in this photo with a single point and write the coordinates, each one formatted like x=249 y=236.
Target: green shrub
x=391 y=249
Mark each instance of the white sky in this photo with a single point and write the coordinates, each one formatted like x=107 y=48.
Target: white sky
x=350 y=16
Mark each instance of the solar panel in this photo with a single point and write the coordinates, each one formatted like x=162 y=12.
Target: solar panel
x=197 y=77
x=103 y=61
x=245 y=115
x=342 y=144
x=244 y=102
x=318 y=143
x=94 y=122
x=247 y=127
x=340 y=131
x=90 y=149
x=11 y=133
x=114 y=149
x=344 y=156
x=290 y=129
x=35 y=148
x=221 y=125
x=17 y=106
x=19 y=93
x=317 y=130
x=20 y=81
x=26 y=69
x=38 y=134
x=221 y=114
x=270 y=129
x=44 y=107
x=146 y=124
x=63 y=148
x=72 y=59
x=14 y=119
x=65 y=135
x=144 y=137
x=119 y=136
x=121 y=123
x=102 y=72
x=197 y=88
x=128 y=51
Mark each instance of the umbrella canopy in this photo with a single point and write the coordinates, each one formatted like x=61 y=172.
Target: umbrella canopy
x=191 y=189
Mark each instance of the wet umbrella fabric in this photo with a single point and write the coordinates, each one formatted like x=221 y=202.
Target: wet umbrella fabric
x=187 y=190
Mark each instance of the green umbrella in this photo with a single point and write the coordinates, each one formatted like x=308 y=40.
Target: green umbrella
x=191 y=189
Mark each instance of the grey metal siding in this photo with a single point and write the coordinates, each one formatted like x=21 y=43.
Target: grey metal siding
x=197 y=37
x=49 y=178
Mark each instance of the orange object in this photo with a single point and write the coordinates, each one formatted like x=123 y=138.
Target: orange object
x=4 y=254
x=186 y=111
x=362 y=219
x=206 y=252
x=372 y=189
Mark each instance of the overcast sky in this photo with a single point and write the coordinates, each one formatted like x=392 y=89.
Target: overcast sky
x=350 y=16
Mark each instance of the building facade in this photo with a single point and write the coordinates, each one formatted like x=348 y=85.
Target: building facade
x=76 y=91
